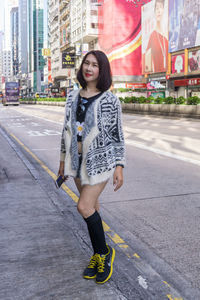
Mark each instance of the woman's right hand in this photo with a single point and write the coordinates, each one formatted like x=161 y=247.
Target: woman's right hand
x=62 y=170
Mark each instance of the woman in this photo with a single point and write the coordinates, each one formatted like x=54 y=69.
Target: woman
x=157 y=49
x=92 y=150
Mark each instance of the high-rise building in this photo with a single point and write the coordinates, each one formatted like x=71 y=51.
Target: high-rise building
x=1 y=56
x=23 y=37
x=14 y=18
x=7 y=65
x=36 y=43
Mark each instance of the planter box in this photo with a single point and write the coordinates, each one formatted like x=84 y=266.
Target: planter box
x=163 y=109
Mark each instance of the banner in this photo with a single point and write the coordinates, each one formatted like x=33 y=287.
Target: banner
x=155 y=36
x=184 y=24
x=194 y=61
x=68 y=60
x=178 y=63
x=119 y=34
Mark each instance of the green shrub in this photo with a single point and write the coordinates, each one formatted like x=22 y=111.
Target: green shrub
x=150 y=99
x=180 y=100
x=193 y=100
x=169 y=100
x=135 y=99
x=123 y=90
x=159 y=100
x=142 y=99
x=128 y=100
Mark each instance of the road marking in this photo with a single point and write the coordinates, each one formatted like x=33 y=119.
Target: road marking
x=142 y=281
x=171 y=298
x=164 y=153
x=140 y=145
x=111 y=234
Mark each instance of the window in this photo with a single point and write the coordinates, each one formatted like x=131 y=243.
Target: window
x=94 y=13
x=94 y=25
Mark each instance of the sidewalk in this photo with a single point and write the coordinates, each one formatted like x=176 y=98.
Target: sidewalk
x=40 y=258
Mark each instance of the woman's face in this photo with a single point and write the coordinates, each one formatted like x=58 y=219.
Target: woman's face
x=90 y=69
x=159 y=9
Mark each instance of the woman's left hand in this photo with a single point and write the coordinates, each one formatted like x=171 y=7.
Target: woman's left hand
x=118 y=178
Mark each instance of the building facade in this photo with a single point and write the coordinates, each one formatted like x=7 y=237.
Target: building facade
x=14 y=18
x=1 y=57
x=7 y=65
x=36 y=44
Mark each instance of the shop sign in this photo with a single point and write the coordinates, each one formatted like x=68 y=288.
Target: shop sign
x=54 y=90
x=68 y=60
x=155 y=85
x=119 y=85
x=134 y=86
x=156 y=78
x=187 y=82
x=46 y=52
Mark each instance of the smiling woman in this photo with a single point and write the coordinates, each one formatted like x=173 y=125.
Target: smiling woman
x=92 y=151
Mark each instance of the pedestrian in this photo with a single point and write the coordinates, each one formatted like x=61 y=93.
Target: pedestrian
x=92 y=151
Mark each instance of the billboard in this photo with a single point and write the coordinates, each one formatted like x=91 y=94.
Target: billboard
x=184 y=24
x=178 y=63
x=155 y=36
x=119 y=35
x=194 y=61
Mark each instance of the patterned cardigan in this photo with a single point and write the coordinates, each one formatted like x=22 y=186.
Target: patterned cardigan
x=102 y=139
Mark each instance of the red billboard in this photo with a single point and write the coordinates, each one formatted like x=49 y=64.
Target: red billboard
x=120 y=35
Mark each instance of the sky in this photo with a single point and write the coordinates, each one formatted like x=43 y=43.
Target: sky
x=1 y=14
x=6 y=4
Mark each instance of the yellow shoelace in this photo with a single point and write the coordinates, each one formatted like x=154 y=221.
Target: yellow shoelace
x=93 y=261
x=101 y=263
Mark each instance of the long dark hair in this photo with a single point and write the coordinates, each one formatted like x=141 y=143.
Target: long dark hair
x=105 y=77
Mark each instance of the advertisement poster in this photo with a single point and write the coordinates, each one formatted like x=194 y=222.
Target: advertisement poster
x=120 y=35
x=194 y=61
x=184 y=24
x=178 y=63
x=155 y=36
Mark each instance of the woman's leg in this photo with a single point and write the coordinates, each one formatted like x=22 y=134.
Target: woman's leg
x=79 y=188
x=89 y=198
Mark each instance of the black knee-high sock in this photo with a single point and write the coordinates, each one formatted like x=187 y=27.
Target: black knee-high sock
x=96 y=233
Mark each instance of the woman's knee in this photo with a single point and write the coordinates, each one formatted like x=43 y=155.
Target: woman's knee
x=84 y=209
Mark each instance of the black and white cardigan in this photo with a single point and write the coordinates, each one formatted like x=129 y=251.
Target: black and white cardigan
x=102 y=139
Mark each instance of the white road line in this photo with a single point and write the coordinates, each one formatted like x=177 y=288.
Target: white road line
x=161 y=152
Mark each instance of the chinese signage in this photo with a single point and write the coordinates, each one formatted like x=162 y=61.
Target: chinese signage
x=135 y=86
x=120 y=35
x=184 y=18
x=46 y=52
x=194 y=61
x=68 y=60
x=187 y=82
x=178 y=63
x=155 y=36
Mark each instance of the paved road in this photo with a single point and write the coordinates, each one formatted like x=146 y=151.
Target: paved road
x=154 y=218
